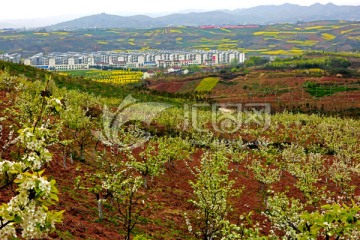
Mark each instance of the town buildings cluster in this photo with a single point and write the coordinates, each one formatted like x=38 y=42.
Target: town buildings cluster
x=14 y=58
x=136 y=59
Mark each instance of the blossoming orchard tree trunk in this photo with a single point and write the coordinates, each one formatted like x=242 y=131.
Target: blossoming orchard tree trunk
x=27 y=213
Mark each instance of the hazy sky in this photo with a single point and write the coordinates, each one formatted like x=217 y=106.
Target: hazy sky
x=23 y=9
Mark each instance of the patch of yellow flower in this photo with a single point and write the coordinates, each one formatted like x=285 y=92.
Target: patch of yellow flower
x=102 y=42
x=328 y=36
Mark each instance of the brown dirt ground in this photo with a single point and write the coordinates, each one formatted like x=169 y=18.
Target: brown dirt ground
x=282 y=89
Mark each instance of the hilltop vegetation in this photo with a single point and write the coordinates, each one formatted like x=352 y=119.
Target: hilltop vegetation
x=285 y=13
x=272 y=40
x=267 y=14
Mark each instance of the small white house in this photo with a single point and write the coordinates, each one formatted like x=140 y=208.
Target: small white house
x=171 y=70
x=174 y=69
x=148 y=74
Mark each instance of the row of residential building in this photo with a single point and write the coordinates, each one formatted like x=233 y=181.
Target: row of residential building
x=136 y=59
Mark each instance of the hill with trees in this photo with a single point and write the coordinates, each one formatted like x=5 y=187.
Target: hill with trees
x=268 y=14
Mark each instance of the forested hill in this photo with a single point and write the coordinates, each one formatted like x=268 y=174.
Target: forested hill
x=286 y=13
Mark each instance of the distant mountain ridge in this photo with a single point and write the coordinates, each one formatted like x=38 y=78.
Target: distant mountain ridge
x=286 y=13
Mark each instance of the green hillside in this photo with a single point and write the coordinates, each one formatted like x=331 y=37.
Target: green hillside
x=278 y=39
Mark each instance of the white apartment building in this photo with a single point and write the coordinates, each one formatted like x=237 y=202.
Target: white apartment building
x=135 y=59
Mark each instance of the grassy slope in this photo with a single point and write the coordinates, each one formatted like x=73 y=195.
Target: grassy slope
x=207 y=84
x=112 y=93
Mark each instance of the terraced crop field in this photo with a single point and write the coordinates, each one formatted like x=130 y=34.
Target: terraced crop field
x=207 y=84
x=113 y=76
x=278 y=39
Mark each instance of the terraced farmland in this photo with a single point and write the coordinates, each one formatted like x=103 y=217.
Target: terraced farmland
x=114 y=76
x=278 y=39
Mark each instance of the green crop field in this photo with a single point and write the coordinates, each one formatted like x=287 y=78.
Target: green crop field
x=207 y=84
x=321 y=90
